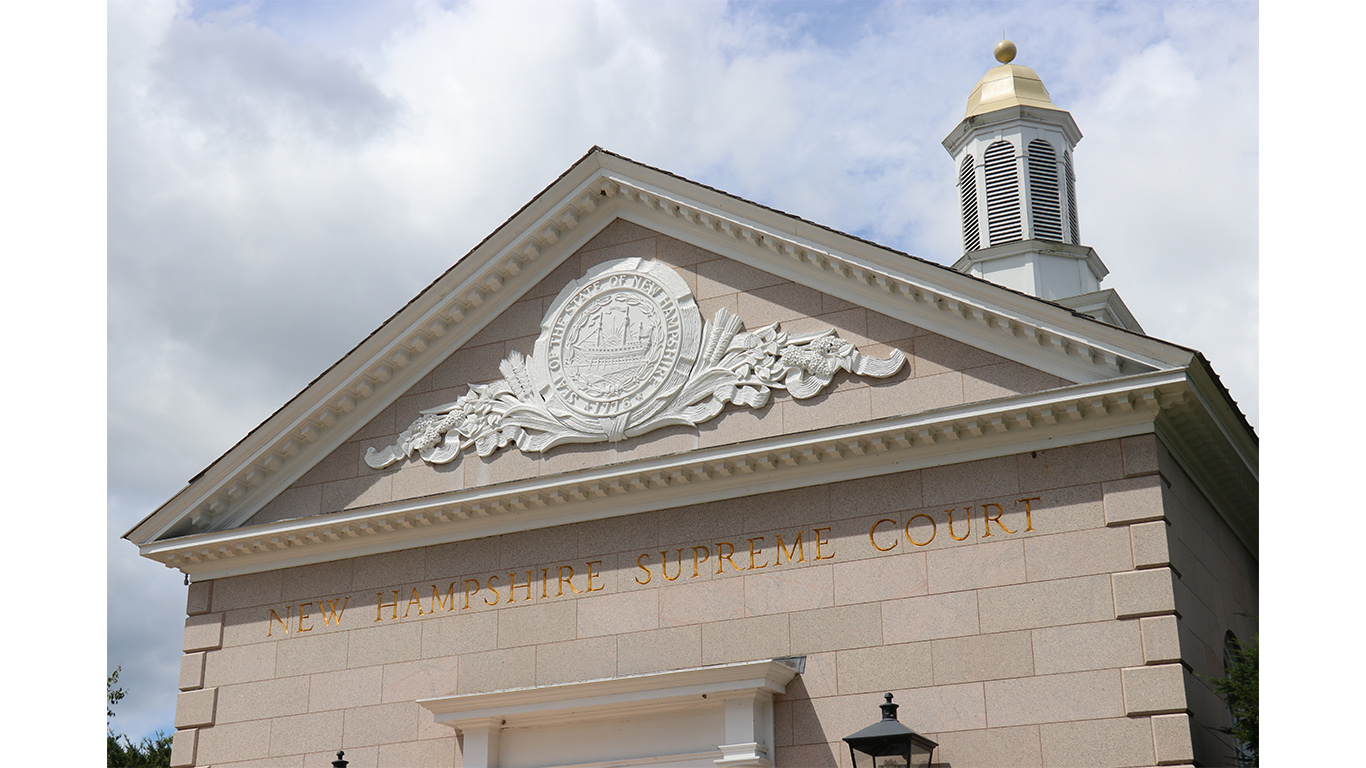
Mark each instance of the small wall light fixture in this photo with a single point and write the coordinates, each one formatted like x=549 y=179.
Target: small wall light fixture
x=339 y=762
x=889 y=744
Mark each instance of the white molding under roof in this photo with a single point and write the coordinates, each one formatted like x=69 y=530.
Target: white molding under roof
x=1037 y=421
x=597 y=190
x=739 y=694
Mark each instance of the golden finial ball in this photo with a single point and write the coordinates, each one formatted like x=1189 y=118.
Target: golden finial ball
x=1005 y=52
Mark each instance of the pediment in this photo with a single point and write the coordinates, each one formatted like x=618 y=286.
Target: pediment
x=735 y=259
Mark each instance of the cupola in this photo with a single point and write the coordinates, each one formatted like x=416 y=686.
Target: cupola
x=1017 y=194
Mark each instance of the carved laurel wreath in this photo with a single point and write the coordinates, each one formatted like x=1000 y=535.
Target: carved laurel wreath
x=733 y=365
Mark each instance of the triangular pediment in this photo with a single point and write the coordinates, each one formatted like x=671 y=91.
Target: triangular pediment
x=977 y=356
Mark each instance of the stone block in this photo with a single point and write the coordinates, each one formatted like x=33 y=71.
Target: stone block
x=1123 y=741
x=247 y=626
x=1046 y=604
x=905 y=393
x=784 y=510
x=183 y=748
x=962 y=483
x=1161 y=640
x=934 y=709
x=759 y=637
x=829 y=409
x=1143 y=593
x=659 y=650
x=243 y=664
x=1149 y=542
x=264 y=699
x=786 y=590
x=889 y=577
x=935 y=353
x=309 y=583
x=428 y=753
x=737 y=425
x=384 y=572
x=834 y=629
x=1156 y=689
x=384 y=644
x=1070 y=465
x=307 y=655
x=592 y=658
x=989 y=382
x=1017 y=747
x=382 y=724
x=1172 y=739
x=992 y=564
x=1079 y=553
x=1054 y=698
x=715 y=600
x=1080 y=647
x=194 y=709
x=544 y=623
x=677 y=253
x=234 y=742
x=198 y=598
x=424 y=679
x=246 y=591
x=880 y=495
x=318 y=732
x=1140 y=454
x=982 y=657
x=884 y=668
x=952 y=614
x=345 y=688
x=616 y=614
x=463 y=633
x=192 y=671
x=631 y=533
x=203 y=632
x=782 y=303
x=721 y=276
x=357 y=492
x=1133 y=500
x=495 y=670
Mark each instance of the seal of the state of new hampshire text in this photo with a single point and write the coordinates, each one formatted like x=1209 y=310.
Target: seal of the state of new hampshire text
x=623 y=351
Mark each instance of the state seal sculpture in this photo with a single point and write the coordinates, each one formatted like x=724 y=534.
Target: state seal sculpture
x=624 y=351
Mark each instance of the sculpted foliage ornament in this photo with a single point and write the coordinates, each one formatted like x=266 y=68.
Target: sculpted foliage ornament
x=624 y=351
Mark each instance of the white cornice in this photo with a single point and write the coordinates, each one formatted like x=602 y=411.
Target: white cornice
x=632 y=695
x=598 y=189
x=1072 y=415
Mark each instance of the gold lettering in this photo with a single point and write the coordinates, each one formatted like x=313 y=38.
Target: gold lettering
x=726 y=557
x=544 y=577
x=752 y=553
x=822 y=542
x=986 y=520
x=796 y=547
x=437 y=601
x=331 y=613
x=600 y=588
x=470 y=592
x=873 y=530
x=567 y=580
x=934 y=528
x=1029 y=521
x=303 y=616
x=964 y=536
x=664 y=565
x=512 y=585
x=275 y=617
x=694 y=557
x=641 y=566
x=414 y=600
x=492 y=589
x=379 y=605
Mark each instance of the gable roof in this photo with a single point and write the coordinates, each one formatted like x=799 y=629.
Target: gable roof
x=1102 y=360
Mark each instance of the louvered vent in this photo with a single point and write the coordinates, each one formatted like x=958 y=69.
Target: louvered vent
x=967 y=190
x=1073 y=226
x=1043 y=191
x=1003 y=194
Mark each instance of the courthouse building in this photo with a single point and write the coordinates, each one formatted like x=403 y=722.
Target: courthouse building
x=658 y=476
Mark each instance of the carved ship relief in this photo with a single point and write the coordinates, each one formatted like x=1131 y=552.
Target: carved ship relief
x=623 y=351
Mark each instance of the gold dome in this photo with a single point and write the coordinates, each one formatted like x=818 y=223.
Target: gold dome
x=1008 y=85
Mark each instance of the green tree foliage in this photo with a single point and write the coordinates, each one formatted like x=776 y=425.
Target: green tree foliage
x=1238 y=689
x=152 y=752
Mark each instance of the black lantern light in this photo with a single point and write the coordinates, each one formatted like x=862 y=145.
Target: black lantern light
x=339 y=762
x=889 y=744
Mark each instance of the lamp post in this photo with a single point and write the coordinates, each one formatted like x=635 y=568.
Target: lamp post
x=889 y=744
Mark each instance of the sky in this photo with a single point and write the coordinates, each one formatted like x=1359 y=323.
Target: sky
x=283 y=176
